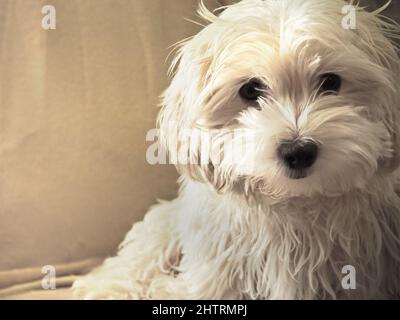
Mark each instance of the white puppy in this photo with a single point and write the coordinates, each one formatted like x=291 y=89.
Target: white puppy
x=317 y=105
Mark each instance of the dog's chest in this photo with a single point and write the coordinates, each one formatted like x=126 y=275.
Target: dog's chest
x=267 y=251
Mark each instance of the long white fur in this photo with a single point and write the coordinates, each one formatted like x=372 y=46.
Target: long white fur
x=247 y=231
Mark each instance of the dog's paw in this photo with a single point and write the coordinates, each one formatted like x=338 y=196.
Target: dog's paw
x=100 y=289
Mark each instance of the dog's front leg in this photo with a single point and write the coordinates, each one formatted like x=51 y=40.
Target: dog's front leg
x=145 y=266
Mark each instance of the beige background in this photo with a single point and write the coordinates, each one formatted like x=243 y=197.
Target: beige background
x=75 y=105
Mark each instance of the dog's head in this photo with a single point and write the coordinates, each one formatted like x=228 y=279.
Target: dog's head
x=309 y=105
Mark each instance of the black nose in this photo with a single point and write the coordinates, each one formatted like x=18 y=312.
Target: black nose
x=298 y=155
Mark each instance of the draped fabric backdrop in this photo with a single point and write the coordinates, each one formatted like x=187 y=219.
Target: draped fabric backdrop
x=75 y=106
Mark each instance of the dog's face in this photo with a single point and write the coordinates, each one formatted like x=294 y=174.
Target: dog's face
x=313 y=105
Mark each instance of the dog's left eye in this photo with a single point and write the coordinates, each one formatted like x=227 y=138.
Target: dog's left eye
x=330 y=83
x=252 y=90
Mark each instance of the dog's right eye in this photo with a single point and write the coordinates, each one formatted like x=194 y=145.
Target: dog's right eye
x=252 y=90
x=330 y=83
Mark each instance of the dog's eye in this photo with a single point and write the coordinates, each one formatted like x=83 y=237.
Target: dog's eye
x=330 y=83
x=251 y=90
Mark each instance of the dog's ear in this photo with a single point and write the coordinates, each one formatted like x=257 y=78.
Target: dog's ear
x=391 y=60
x=380 y=40
x=393 y=125
x=181 y=105
x=395 y=160
x=392 y=113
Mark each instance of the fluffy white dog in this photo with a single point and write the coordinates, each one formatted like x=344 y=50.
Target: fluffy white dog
x=318 y=105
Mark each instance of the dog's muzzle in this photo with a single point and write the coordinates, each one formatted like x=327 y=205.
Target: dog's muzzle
x=297 y=156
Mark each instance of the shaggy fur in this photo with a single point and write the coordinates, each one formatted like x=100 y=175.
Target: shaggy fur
x=243 y=229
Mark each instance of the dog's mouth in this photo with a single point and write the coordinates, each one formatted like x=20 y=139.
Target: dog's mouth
x=296 y=174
